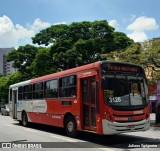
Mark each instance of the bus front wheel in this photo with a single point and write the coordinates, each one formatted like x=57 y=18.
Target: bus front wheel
x=24 y=119
x=70 y=126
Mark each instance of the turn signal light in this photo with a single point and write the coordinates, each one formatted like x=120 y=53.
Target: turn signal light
x=108 y=116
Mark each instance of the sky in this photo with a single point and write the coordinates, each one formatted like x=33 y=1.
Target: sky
x=22 y=19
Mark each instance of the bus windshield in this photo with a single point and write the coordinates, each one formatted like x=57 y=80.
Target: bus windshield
x=125 y=90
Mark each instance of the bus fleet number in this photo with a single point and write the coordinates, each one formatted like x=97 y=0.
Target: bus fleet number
x=114 y=99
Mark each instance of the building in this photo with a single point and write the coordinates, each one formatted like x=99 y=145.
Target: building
x=5 y=67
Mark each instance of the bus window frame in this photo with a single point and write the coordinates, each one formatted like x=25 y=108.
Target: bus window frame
x=67 y=87
x=20 y=93
x=28 y=92
x=44 y=88
x=34 y=91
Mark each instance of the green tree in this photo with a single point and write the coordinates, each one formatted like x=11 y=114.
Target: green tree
x=42 y=64
x=51 y=35
x=81 y=43
x=151 y=53
x=5 y=82
x=131 y=54
x=22 y=59
x=150 y=56
x=122 y=41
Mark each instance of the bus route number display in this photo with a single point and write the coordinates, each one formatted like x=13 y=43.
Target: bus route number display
x=115 y=99
x=122 y=68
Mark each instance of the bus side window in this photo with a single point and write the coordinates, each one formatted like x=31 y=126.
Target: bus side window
x=20 y=93
x=27 y=92
x=51 y=88
x=38 y=90
x=67 y=86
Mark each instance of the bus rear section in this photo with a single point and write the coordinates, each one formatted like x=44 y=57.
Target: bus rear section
x=15 y=97
x=125 y=96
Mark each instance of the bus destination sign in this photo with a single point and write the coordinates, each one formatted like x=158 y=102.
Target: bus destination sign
x=122 y=68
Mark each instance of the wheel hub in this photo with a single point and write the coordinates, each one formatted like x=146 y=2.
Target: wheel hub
x=70 y=126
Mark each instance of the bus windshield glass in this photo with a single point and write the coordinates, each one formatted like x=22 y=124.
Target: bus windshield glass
x=125 y=90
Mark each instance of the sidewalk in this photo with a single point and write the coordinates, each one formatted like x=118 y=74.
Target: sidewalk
x=152 y=118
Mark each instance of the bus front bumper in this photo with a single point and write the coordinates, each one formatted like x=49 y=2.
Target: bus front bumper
x=110 y=128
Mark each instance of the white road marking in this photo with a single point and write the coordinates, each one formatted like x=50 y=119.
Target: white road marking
x=106 y=149
x=30 y=130
x=27 y=129
x=140 y=135
x=156 y=137
x=12 y=131
x=64 y=138
x=8 y=125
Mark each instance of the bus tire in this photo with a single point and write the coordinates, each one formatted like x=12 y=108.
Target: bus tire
x=70 y=126
x=24 y=119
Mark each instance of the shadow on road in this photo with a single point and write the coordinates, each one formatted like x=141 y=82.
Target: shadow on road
x=92 y=140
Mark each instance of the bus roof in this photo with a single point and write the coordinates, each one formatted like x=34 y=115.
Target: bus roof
x=69 y=72
x=58 y=74
x=20 y=84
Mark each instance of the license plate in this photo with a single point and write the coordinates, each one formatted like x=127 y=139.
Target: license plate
x=132 y=127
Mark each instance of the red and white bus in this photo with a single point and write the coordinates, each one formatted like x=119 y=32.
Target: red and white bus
x=103 y=97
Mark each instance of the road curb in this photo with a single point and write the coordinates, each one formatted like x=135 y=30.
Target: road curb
x=155 y=124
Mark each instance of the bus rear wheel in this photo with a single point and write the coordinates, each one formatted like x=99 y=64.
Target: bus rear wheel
x=70 y=126
x=24 y=119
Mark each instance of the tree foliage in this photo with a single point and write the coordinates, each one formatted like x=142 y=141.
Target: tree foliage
x=73 y=45
x=146 y=54
x=5 y=82
x=69 y=46
x=42 y=63
x=22 y=59
x=151 y=55
x=81 y=43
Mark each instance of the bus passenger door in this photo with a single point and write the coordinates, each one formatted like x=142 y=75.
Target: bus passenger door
x=89 y=103
x=14 y=104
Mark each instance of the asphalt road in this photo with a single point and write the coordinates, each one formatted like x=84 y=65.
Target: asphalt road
x=53 y=138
